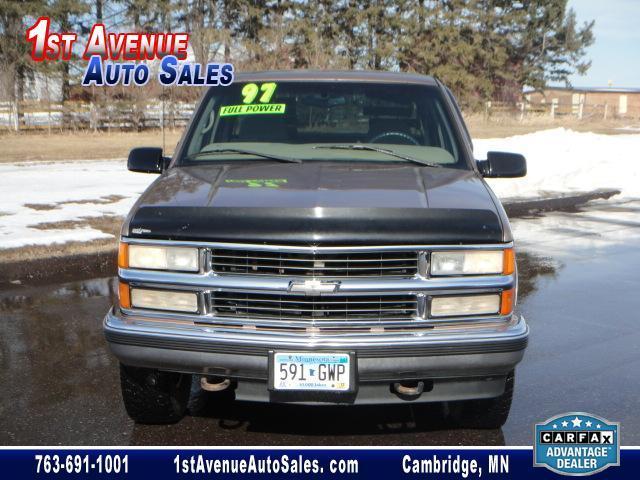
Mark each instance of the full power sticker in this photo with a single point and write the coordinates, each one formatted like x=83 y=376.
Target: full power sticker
x=577 y=444
x=273 y=108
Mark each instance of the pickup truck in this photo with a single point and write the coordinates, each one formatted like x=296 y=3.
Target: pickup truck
x=320 y=238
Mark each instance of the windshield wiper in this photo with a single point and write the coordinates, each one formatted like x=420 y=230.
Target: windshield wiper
x=269 y=156
x=369 y=148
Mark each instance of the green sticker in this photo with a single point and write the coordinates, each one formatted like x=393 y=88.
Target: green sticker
x=259 y=182
x=267 y=90
x=272 y=108
x=250 y=92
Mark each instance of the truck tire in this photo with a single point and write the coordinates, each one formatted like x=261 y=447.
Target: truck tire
x=484 y=413
x=152 y=396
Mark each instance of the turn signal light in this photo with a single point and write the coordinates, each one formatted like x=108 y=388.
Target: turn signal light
x=506 y=302
x=123 y=255
x=125 y=295
x=508 y=261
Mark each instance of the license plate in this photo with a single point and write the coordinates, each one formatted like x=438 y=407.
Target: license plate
x=311 y=371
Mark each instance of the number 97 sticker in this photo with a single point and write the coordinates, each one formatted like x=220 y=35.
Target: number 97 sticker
x=251 y=90
x=252 y=93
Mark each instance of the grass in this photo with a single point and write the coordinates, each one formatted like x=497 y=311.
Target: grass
x=39 y=146
x=108 y=224
x=72 y=261
x=52 y=206
x=100 y=201
x=505 y=126
x=57 y=250
x=41 y=206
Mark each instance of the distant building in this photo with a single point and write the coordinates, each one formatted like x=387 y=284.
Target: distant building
x=597 y=101
x=37 y=87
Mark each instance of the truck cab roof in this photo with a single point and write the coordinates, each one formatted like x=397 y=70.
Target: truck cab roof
x=335 y=76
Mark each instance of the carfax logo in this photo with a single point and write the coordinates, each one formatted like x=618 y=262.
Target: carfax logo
x=577 y=444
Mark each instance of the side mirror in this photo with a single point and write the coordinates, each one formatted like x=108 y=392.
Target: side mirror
x=503 y=165
x=147 y=160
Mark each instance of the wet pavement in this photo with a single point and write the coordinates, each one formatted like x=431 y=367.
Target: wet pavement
x=579 y=290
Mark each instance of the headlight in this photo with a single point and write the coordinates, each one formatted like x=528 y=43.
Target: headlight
x=460 y=306
x=164 y=300
x=159 y=258
x=472 y=262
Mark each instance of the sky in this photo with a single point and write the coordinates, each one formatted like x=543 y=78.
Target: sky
x=615 y=54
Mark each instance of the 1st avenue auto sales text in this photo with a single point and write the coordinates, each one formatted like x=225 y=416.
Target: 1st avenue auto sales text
x=119 y=58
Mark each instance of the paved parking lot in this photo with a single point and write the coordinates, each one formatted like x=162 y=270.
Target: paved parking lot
x=579 y=291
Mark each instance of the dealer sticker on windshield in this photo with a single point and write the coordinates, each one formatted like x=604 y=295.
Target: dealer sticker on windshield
x=264 y=108
x=311 y=371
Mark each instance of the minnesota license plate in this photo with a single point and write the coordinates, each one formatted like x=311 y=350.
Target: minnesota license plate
x=311 y=371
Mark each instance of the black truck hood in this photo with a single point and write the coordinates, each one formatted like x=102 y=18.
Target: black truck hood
x=318 y=203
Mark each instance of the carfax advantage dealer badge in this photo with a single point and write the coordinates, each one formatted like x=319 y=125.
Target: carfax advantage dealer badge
x=577 y=444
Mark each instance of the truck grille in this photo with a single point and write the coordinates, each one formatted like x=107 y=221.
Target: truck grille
x=353 y=264
x=313 y=308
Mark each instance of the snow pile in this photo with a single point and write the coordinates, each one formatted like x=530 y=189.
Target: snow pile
x=45 y=192
x=561 y=160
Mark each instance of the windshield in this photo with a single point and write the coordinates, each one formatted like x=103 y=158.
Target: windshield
x=320 y=121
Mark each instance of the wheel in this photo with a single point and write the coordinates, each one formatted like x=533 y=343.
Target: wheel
x=408 y=139
x=484 y=413
x=152 y=396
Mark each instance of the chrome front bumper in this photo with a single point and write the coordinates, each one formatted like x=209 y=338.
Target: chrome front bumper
x=469 y=362
x=460 y=358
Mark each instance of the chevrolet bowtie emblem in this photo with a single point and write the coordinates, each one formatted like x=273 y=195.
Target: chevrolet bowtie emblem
x=314 y=287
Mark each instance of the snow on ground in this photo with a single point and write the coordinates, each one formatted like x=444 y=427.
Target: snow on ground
x=561 y=160
x=44 y=192
x=558 y=160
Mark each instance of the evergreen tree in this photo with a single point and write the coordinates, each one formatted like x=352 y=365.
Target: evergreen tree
x=482 y=49
x=15 y=62
x=66 y=17
x=543 y=43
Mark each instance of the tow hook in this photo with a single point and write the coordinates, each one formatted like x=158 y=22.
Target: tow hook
x=214 y=384
x=409 y=389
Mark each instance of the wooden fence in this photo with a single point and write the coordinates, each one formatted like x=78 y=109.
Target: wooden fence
x=582 y=111
x=116 y=115
x=153 y=114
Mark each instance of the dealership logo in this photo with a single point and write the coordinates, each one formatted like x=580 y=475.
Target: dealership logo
x=577 y=444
